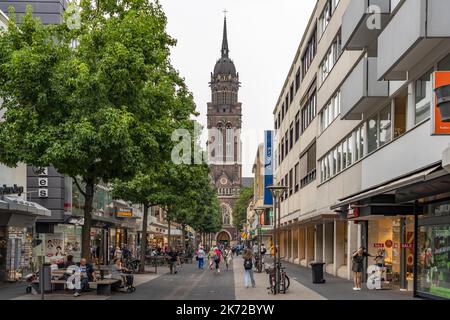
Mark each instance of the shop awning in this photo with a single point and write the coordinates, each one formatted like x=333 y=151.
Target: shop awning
x=386 y=188
x=13 y=204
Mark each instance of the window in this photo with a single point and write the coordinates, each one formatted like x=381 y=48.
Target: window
x=286 y=102
x=292 y=93
x=296 y=173
x=282 y=150
x=297 y=126
x=385 y=134
x=291 y=136
x=424 y=92
x=229 y=143
x=290 y=182
x=286 y=143
x=283 y=112
x=220 y=142
x=330 y=112
x=310 y=53
x=372 y=134
x=330 y=59
x=309 y=111
x=297 y=79
x=324 y=18
x=350 y=147
x=308 y=166
x=344 y=154
x=444 y=64
x=400 y=106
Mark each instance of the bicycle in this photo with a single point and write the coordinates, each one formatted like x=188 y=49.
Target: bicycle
x=284 y=279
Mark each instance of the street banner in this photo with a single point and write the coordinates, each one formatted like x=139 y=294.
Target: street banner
x=268 y=166
x=441 y=105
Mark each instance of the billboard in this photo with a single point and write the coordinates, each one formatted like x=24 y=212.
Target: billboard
x=441 y=105
x=268 y=166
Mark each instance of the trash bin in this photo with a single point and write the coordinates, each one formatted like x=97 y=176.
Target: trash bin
x=317 y=272
x=46 y=275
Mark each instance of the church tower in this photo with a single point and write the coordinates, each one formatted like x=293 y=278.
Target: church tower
x=224 y=138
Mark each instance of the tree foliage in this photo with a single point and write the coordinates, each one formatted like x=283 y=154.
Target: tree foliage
x=241 y=205
x=99 y=110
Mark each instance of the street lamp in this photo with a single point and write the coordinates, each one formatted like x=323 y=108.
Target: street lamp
x=277 y=192
x=259 y=211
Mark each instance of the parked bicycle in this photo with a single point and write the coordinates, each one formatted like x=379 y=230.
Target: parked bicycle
x=284 y=279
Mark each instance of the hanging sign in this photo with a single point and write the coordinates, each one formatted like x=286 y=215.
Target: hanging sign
x=441 y=108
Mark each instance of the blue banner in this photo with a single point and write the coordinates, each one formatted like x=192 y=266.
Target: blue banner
x=268 y=166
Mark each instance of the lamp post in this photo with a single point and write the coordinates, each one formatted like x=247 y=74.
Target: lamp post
x=277 y=192
x=259 y=211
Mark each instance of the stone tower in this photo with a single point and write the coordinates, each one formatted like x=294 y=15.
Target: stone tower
x=224 y=138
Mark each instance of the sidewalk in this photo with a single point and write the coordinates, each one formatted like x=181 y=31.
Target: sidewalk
x=139 y=279
x=296 y=291
x=341 y=289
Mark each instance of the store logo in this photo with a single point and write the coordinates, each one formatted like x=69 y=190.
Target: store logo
x=4 y=190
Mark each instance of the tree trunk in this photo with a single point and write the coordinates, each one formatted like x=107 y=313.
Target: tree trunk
x=86 y=230
x=183 y=235
x=144 y=238
x=168 y=235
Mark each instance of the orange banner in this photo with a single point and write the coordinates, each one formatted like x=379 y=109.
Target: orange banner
x=441 y=78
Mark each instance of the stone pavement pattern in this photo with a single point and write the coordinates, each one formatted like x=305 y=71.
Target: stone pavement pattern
x=193 y=284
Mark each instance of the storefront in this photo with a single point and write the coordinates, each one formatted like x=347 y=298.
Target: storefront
x=17 y=219
x=433 y=244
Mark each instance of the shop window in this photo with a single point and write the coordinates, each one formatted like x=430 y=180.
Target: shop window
x=423 y=95
x=400 y=107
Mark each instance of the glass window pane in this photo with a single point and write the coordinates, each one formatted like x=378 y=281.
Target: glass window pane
x=424 y=94
x=339 y=158
x=385 y=126
x=344 y=154
x=372 y=134
x=350 y=146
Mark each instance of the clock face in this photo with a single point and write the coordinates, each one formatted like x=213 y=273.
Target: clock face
x=223 y=180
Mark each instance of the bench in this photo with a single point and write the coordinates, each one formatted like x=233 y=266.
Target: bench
x=104 y=287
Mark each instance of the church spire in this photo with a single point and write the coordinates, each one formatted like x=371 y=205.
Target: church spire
x=225 y=49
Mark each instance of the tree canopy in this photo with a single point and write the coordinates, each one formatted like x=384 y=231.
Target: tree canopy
x=241 y=205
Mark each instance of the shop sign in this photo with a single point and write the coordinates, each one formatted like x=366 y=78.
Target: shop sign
x=124 y=213
x=353 y=212
x=378 y=245
x=407 y=245
x=10 y=190
x=441 y=106
x=389 y=243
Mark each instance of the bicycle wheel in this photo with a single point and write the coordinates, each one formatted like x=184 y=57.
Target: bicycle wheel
x=273 y=285
x=287 y=283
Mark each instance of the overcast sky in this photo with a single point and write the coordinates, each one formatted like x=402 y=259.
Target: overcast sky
x=263 y=37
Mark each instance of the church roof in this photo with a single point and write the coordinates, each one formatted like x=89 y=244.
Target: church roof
x=225 y=65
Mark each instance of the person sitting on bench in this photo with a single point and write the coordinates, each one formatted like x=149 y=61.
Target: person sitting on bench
x=84 y=273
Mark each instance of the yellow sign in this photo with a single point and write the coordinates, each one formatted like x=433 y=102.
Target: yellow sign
x=244 y=235
x=125 y=213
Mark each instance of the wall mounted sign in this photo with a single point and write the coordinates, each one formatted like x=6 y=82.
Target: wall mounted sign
x=5 y=190
x=124 y=213
x=441 y=108
x=378 y=245
x=353 y=212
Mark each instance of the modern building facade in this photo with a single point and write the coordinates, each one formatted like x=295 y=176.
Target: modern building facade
x=224 y=117
x=357 y=146
x=49 y=11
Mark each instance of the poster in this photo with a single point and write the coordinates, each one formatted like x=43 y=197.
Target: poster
x=72 y=246
x=441 y=78
x=54 y=248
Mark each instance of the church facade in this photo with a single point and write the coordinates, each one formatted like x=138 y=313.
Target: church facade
x=224 y=117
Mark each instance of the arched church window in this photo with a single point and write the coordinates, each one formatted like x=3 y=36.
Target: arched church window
x=226 y=217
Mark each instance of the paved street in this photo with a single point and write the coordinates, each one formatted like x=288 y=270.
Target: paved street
x=193 y=284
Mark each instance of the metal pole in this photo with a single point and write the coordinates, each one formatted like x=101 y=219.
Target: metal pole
x=275 y=236
x=278 y=250
x=41 y=277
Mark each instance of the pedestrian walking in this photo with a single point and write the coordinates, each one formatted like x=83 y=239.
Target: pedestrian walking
x=357 y=266
x=211 y=255
x=201 y=257
x=248 y=267
x=217 y=259
x=227 y=257
x=173 y=260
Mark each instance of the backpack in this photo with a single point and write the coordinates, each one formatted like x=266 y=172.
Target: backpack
x=248 y=264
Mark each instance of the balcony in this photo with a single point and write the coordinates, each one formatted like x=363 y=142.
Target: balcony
x=419 y=28
x=361 y=91
x=359 y=30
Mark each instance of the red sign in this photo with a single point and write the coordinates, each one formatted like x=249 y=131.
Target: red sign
x=352 y=212
x=407 y=245
x=389 y=243
x=441 y=78
x=378 y=245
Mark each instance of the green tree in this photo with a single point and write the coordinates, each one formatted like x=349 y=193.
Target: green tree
x=99 y=102
x=240 y=207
